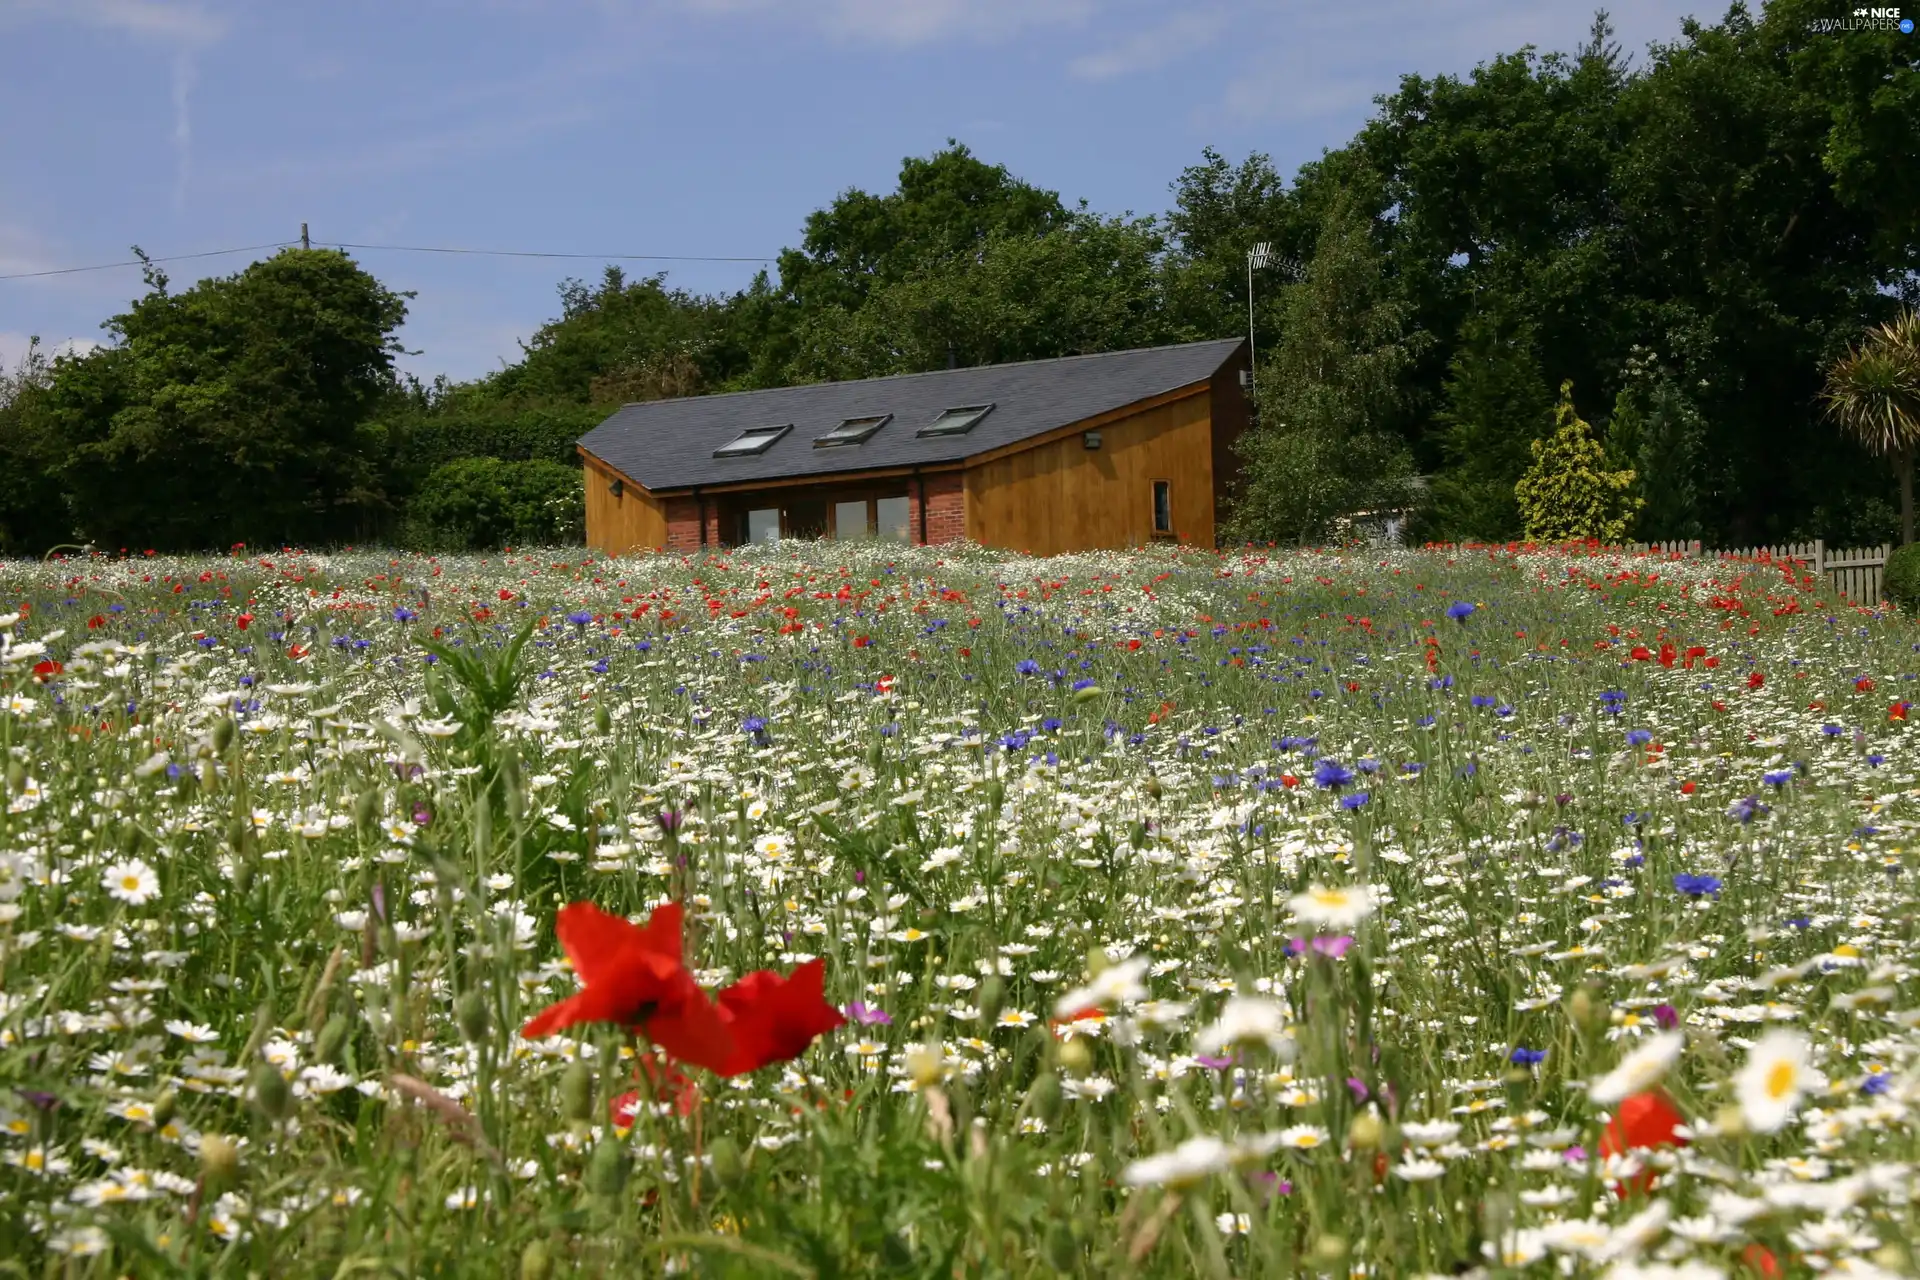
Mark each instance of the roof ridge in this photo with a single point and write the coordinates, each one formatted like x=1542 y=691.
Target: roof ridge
x=934 y=373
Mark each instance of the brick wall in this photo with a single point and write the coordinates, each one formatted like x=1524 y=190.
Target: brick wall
x=945 y=497
x=683 y=524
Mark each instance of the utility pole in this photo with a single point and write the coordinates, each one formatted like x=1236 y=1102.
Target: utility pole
x=304 y=244
x=1259 y=256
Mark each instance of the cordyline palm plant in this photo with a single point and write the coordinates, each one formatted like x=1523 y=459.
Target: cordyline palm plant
x=1873 y=391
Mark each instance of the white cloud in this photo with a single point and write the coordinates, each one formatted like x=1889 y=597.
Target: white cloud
x=14 y=345
x=1311 y=62
x=182 y=25
x=907 y=23
x=1154 y=47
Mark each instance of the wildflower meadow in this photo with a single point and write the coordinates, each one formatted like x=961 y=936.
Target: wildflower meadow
x=849 y=909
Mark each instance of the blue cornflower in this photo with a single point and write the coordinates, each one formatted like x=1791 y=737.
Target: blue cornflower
x=1639 y=737
x=1367 y=766
x=1832 y=730
x=1078 y=685
x=1440 y=682
x=1877 y=1083
x=1697 y=886
x=1050 y=724
x=1777 y=777
x=1331 y=773
x=1459 y=610
x=1525 y=1057
x=1876 y=760
x=1353 y=801
x=754 y=724
x=1504 y=709
x=1633 y=819
x=580 y=617
x=1481 y=700
x=404 y=614
x=1412 y=767
x=1026 y=667
x=1746 y=809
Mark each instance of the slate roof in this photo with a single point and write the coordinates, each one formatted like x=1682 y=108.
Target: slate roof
x=669 y=444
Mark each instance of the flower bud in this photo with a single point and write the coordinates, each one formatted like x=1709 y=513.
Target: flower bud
x=223 y=734
x=576 y=1092
x=728 y=1167
x=1089 y=693
x=470 y=1011
x=332 y=1039
x=165 y=1107
x=366 y=807
x=16 y=776
x=603 y=719
x=1730 y=1122
x=209 y=776
x=536 y=1261
x=1075 y=1057
x=1043 y=1097
x=1063 y=1251
x=993 y=996
x=271 y=1096
x=1581 y=1009
x=1154 y=789
x=927 y=1065
x=1329 y=1251
x=1365 y=1132
x=219 y=1158
x=607 y=1168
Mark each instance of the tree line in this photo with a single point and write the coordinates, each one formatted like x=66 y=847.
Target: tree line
x=1640 y=268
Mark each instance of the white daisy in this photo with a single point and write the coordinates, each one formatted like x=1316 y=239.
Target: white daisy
x=132 y=881
x=1341 y=907
x=1639 y=1070
x=1777 y=1073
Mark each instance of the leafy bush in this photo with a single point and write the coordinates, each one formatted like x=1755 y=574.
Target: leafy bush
x=1901 y=583
x=481 y=503
x=1569 y=494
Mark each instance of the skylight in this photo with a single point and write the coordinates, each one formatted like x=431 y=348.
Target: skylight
x=956 y=422
x=752 y=442
x=852 y=431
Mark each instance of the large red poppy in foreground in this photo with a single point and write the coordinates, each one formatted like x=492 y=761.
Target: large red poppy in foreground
x=636 y=976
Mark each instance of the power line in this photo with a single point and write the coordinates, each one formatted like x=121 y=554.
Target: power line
x=135 y=262
x=389 y=248
x=531 y=253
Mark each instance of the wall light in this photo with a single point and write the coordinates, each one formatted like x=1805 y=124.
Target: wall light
x=1091 y=439
x=616 y=488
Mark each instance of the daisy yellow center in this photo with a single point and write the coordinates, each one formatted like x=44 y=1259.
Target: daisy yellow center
x=1308 y=1140
x=1780 y=1077
x=1330 y=898
x=130 y=883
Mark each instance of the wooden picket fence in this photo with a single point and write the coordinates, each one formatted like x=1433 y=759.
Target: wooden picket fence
x=1854 y=573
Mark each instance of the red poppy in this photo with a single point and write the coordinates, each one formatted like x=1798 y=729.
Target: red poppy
x=242 y=620
x=635 y=976
x=1864 y=684
x=1761 y=1260
x=1645 y=1120
x=1755 y=680
x=773 y=1018
x=46 y=669
x=1898 y=711
x=664 y=1082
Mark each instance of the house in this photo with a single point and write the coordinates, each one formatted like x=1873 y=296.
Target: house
x=1118 y=449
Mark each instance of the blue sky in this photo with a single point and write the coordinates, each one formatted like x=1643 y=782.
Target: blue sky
x=680 y=127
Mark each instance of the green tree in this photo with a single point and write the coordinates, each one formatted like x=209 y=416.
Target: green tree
x=1497 y=405
x=33 y=516
x=1873 y=392
x=234 y=411
x=1655 y=431
x=1570 y=494
x=481 y=504
x=1090 y=284
x=1320 y=450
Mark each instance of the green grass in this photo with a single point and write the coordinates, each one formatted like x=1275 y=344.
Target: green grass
x=330 y=844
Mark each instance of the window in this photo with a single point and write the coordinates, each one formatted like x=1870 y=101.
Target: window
x=852 y=431
x=850 y=520
x=1163 y=508
x=752 y=442
x=893 y=519
x=956 y=422
x=763 y=525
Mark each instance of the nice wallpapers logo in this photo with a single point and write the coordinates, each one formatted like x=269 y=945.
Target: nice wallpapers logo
x=1865 y=18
